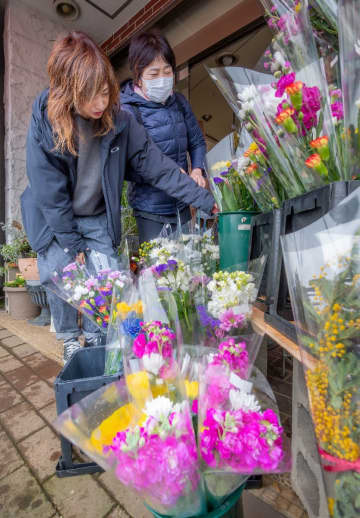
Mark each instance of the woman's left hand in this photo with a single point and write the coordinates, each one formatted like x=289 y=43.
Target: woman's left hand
x=196 y=175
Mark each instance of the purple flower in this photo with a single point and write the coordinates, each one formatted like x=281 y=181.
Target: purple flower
x=218 y=180
x=224 y=173
x=311 y=105
x=161 y=268
x=172 y=264
x=71 y=267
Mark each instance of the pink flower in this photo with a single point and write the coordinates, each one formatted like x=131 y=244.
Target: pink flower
x=283 y=82
x=151 y=347
x=311 y=105
x=337 y=110
x=139 y=345
x=230 y=320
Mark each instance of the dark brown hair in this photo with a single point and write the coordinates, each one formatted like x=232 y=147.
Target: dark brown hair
x=78 y=70
x=144 y=48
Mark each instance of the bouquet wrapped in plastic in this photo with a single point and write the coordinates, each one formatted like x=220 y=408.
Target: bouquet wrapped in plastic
x=349 y=40
x=323 y=269
x=236 y=167
x=151 y=451
x=89 y=287
x=239 y=430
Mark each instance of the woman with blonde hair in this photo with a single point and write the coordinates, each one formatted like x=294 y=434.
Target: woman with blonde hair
x=80 y=148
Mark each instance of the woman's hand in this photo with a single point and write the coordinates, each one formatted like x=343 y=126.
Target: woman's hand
x=196 y=175
x=80 y=258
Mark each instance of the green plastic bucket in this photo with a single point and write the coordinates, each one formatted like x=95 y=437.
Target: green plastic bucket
x=224 y=509
x=234 y=237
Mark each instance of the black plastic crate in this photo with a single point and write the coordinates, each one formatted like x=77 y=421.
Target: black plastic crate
x=82 y=375
x=264 y=240
x=296 y=214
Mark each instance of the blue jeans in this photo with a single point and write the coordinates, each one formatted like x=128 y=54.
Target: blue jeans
x=65 y=317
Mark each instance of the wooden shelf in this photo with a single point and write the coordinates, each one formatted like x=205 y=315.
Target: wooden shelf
x=291 y=347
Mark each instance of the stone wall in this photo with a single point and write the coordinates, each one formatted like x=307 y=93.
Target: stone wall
x=28 y=37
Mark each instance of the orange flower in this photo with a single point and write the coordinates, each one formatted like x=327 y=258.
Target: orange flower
x=102 y=309
x=294 y=88
x=319 y=142
x=284 y=115
x=314 y=162
x=251 y=168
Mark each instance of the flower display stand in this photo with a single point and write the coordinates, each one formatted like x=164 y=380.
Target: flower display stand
x=231 y=508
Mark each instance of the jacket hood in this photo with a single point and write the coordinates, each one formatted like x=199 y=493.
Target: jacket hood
x=128 y=96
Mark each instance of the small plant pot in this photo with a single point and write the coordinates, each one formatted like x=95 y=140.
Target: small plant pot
x=19 y=304
x=29 y=269
x=11 y=271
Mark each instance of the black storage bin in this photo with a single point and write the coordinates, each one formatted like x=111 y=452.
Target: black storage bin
x=265 y=240
x=296 y=214
x=82 y=375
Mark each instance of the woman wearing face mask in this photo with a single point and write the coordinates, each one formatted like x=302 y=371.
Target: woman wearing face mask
x=80 y=148
x=171 y=124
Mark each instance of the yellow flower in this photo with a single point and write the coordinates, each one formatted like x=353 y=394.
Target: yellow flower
x=139 y=387
x=192 y=389
x=121 y=419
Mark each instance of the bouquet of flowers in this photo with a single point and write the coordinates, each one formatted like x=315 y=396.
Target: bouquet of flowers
x=349 y=39
x=239 y=428
x=152 y=451
x=89 y=288
x=323 y=268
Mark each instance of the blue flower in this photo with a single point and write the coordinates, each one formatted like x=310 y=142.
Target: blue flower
x=172 y=264
x=161 y=268
x=132 y=326
x=218 y=180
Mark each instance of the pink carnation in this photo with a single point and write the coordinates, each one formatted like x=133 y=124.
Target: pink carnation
x=283 y=82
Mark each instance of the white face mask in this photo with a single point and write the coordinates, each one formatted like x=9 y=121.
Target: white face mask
x=159 y=89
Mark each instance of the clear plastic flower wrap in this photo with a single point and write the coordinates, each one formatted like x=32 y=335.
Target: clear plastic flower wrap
x=239 y=430
x=237 y=158
x=126 y=319
x=152 y=452
x=294 y=39
x=323 y=269
x=89 y=287
x=240 y=88
x=349 y=43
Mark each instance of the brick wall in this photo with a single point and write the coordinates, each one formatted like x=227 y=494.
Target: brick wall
x=152 y=11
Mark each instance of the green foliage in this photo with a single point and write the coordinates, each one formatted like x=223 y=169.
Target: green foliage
x=18 y=246
x=19 y=282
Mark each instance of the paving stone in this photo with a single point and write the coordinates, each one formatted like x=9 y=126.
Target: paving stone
x=42 y=451
x=83 y=494
x=23 y=351
x=119 y=513
x=10 y=460
x=3 y=352
x=4 y=333
x=21 y=377
x=39 y=394
x=9 y=363
x=49 y=413
x=126 y=498
x=22 y=497
x=43 y=366
x=8 y=396
x=12 y=341
x=21 y=420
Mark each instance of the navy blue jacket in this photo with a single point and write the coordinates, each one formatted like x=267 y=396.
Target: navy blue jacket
x=175 y=130
x=127 y=153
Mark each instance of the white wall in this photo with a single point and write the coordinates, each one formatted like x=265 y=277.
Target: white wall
x=28 y=38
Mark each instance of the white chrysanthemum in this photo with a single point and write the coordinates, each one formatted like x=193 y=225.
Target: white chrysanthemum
x=271 y=102
x=153 y=362
x=79 y=292
x=242 y=401
x=242 y=163
x=159 y=408
x=67 y=286
x=247 y=94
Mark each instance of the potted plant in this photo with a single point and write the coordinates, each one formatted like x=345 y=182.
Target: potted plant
x=18 y=253
x=18 y=301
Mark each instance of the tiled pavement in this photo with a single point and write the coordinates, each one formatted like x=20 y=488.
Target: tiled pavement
x=29 y=446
